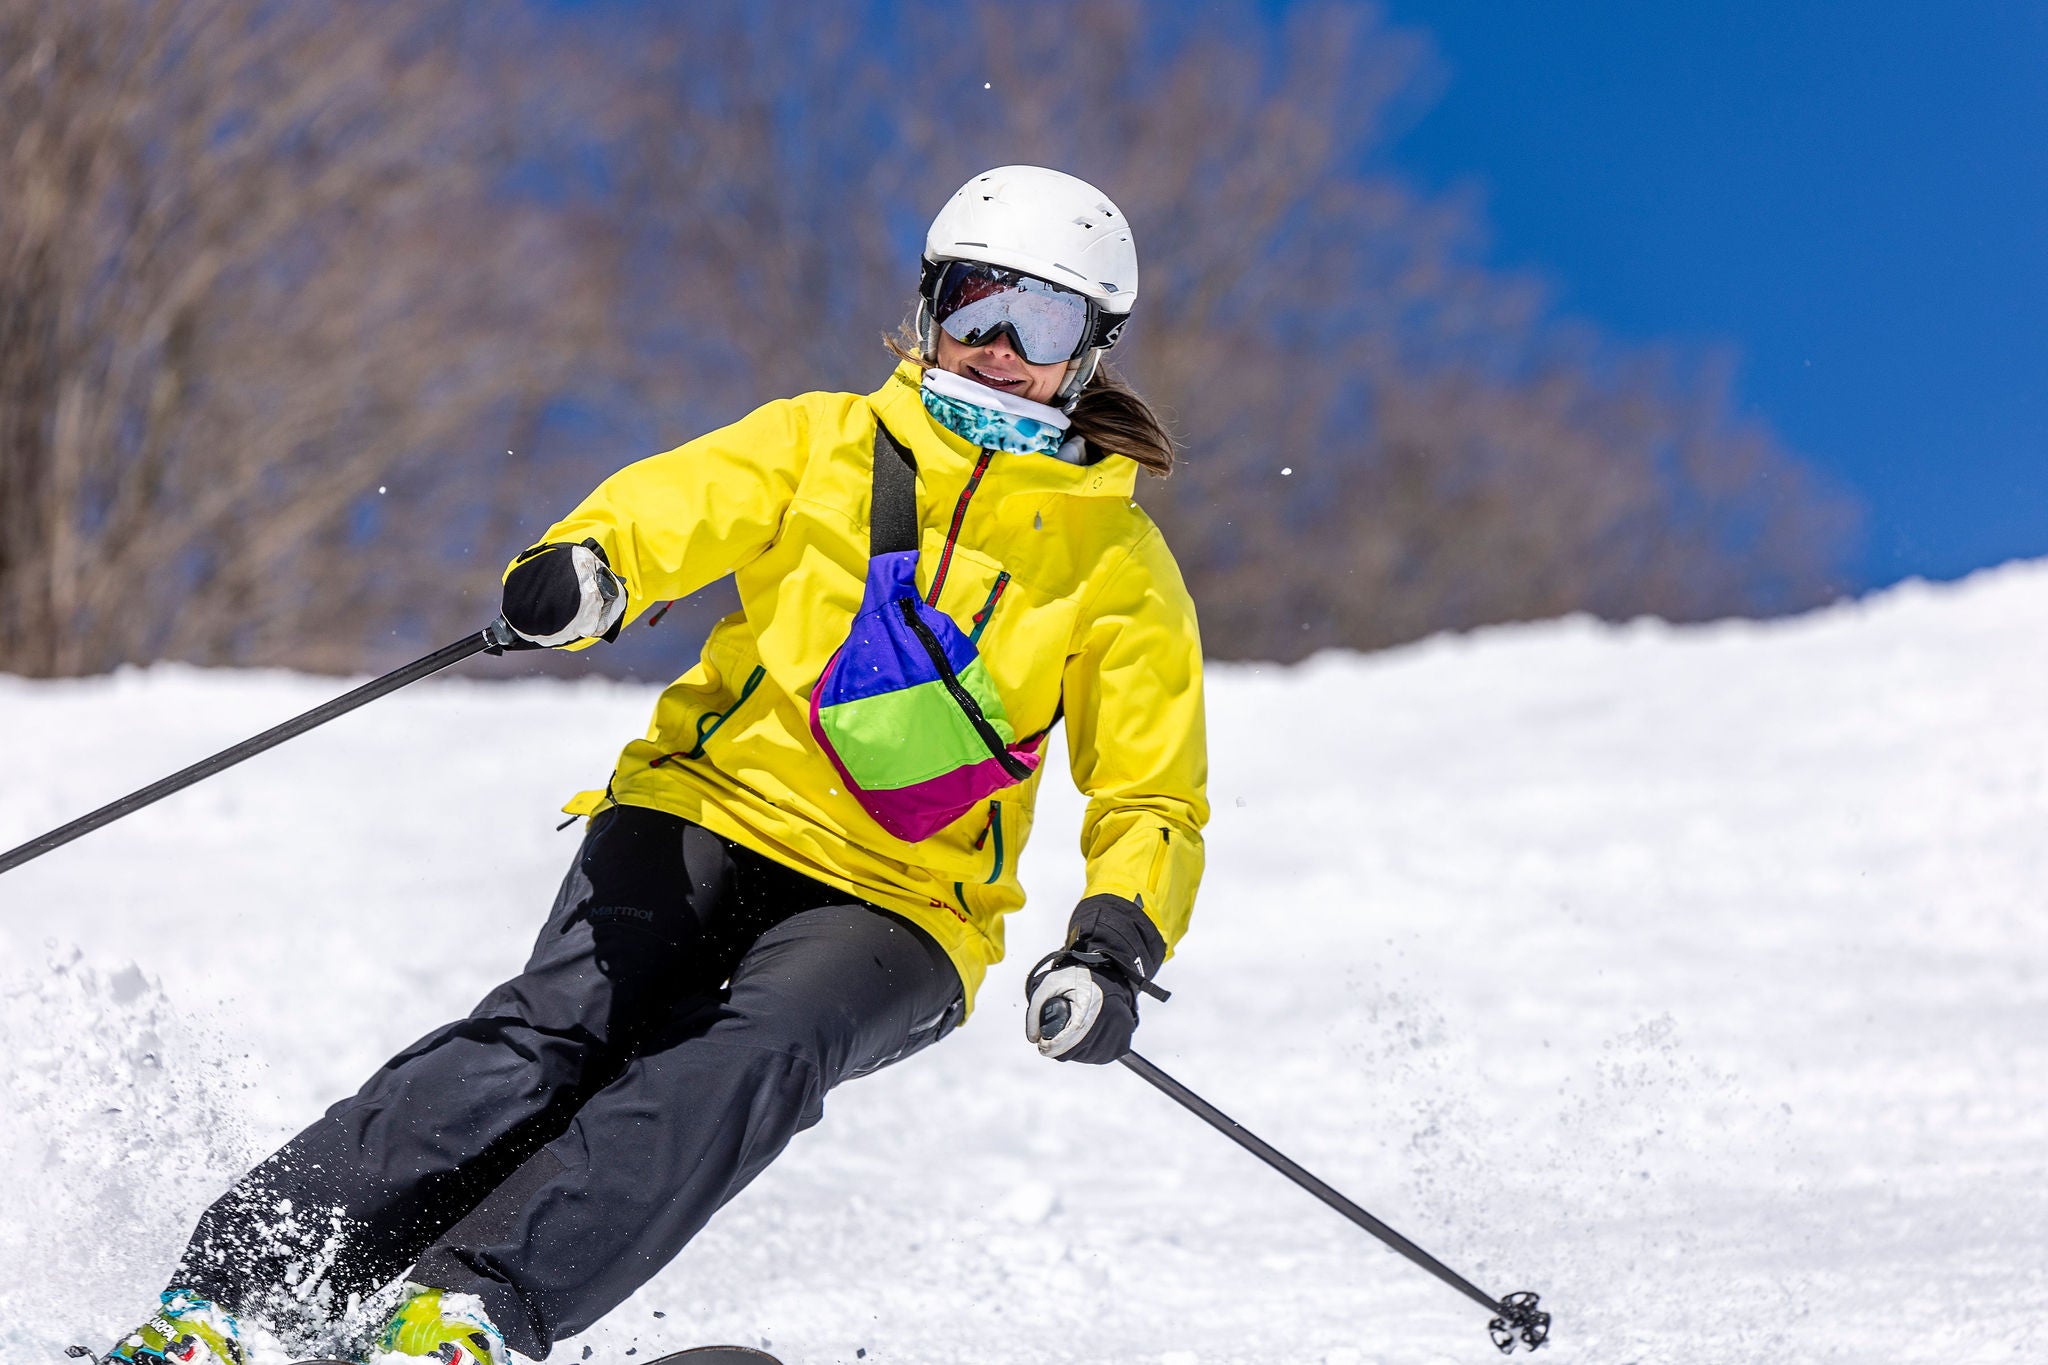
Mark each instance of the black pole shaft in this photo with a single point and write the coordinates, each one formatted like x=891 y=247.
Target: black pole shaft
x=1236 y=1132
x=227 y=758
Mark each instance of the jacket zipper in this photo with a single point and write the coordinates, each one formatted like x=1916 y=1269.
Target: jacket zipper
x=961 y=697
x=953 y=531
x=1160 y=865
x=708 y=723
x=994 y=825
x=988 y=608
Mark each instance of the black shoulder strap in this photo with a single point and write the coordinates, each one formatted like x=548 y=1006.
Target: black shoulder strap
x=892 y=515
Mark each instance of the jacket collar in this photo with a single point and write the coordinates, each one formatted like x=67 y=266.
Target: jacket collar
x=899 y=406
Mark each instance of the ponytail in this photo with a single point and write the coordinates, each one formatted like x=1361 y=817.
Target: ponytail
x=1112 y=416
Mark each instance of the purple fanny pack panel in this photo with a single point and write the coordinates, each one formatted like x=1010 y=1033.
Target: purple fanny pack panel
x=908 y=715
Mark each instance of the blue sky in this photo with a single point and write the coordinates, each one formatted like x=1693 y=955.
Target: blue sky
x=1854 y=197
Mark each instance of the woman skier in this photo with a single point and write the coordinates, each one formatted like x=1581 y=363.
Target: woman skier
x=801 y=875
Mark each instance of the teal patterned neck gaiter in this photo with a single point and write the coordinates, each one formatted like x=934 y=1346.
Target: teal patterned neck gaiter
x=992 y=420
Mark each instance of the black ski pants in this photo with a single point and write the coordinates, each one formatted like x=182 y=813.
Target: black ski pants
x=685 y=1010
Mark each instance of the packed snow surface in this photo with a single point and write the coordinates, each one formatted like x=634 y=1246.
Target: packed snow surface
x=1695 y=978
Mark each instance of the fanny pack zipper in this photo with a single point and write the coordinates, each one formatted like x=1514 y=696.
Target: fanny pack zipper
x=962 y=698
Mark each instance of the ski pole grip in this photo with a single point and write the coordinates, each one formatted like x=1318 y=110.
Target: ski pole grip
x=1053 y=1016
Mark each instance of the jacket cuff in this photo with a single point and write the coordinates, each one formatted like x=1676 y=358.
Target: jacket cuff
x=1111 y=924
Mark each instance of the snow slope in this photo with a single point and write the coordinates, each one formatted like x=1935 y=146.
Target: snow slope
x=1696 y=978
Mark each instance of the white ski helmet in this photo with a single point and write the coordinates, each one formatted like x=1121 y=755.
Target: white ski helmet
x=1046 y=223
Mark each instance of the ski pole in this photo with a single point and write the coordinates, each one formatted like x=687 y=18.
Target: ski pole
x=494 y=638
x=1516 y=1316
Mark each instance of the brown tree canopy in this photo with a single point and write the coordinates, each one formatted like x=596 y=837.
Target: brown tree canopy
x=308 y=319
x=264 y=320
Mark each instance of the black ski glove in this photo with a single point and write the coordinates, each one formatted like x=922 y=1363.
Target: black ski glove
x=1084 y=998
x=559 y=594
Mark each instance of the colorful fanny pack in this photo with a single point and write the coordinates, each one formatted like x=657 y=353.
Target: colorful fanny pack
x=906 y=710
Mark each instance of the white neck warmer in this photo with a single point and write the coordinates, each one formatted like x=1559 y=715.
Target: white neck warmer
x=982 y=396
x=996 y=420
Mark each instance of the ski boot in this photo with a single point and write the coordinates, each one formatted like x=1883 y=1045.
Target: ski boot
x=186 y=1330
x=440 y=1325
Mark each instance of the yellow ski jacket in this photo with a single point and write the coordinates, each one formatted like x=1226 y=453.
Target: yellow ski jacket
x=1087 y=619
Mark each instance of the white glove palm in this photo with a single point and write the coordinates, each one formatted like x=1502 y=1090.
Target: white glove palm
x=1078 y=987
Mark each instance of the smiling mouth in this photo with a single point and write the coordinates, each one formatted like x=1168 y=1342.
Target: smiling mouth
x=993 y=381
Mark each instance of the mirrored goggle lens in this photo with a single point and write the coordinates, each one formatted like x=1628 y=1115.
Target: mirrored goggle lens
x=974 y=303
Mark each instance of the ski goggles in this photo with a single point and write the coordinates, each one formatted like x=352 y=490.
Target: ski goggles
x=1046 y=323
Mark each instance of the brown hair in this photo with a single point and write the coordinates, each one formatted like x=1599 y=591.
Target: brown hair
x=1110 y=415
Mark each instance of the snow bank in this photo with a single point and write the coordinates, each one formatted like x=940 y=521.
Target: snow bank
x=1696 y=978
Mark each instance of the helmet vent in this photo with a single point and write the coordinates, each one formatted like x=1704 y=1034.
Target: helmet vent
x=1043 y=224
